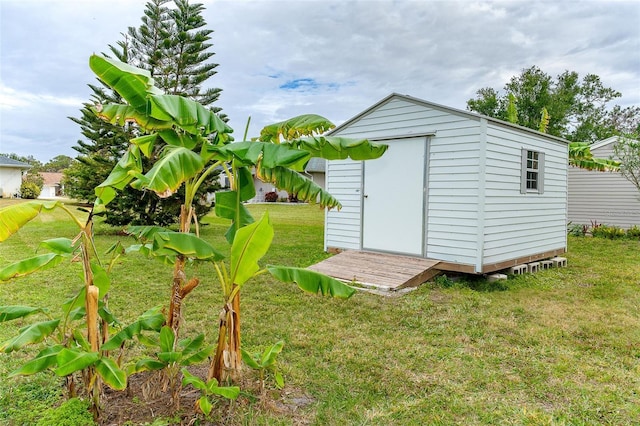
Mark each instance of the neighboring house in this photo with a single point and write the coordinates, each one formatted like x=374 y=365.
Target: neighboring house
x=602 y=197
x=52 y=186
x=11 y=176
x=315 y=170
x=474 y=192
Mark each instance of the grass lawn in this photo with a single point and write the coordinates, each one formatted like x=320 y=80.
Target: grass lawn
x=561 y=347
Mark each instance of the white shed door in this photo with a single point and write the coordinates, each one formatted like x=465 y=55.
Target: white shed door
x=393 y=205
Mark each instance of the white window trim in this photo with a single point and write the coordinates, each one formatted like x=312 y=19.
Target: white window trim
x=524 y=169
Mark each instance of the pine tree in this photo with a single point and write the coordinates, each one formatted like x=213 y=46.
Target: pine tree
x=172 y=44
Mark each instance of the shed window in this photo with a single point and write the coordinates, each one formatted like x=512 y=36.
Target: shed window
x=532 y=179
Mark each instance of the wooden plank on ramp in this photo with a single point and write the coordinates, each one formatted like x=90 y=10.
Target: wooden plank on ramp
x=378 y=271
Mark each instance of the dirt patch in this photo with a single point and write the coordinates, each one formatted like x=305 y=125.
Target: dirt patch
x=145 y=401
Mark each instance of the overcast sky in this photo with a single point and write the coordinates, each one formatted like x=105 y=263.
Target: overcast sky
x=278 y=59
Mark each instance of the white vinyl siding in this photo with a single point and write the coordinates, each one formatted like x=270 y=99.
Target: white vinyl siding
x=342 y=227
x=602 y=197
x=475 y=213
x=453 y=152
x=520 y=224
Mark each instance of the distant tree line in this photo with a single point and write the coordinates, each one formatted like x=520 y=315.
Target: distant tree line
x=567 y=106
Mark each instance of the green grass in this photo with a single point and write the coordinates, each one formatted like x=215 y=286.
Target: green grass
x=561 y=347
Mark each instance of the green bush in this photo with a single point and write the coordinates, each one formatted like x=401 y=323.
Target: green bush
x=74 y=412
x=577 y=230
x=634 y=232
x=30 y=190
x=611 y=232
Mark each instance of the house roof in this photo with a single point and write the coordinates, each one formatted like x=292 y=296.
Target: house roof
x=316 y=165
x=51 y=178
x=604 y=142
x=11 y=163
x=468 y=114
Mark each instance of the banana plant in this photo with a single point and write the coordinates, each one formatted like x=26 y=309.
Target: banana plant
x=208 y=389
x=580 y=155
x=191 y=142
x=266 y=362
x=70 y=351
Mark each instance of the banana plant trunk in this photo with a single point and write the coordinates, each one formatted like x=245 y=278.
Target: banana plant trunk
x=92 y=296
x=180 y=287
x=225 y=366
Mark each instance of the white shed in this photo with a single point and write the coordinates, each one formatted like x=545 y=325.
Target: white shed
x=475 y=193
x=11 y=176
x=602 y=197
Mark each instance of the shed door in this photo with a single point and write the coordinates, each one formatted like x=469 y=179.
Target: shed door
x=393 y=204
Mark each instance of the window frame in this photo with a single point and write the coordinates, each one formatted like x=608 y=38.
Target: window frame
x=528 y=167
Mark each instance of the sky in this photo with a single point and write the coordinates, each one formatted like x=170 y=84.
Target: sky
x=278 y=59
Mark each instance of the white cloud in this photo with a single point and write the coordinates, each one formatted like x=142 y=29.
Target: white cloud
x=348 y=54
x=11 y=99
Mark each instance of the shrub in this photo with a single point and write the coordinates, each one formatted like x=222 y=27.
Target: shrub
x=577 y=230
x=29 y=190
x=634 y=232
x=271 y=197
x=610 y=232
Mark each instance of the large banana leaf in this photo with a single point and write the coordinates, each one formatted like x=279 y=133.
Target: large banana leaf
x=180 y=243
x=124 y=171
x=227 y=207
x=33 y=333
x=176 y=165
x=8 y=313
x=244 y=184
x=339 y=148
x=302 y=125
x=249 y=245
x=580 y=155
x=187 y=114
x=133 y=84
x=311 y=281
x=45 y=359
x=145 y=143
x=15 y=216
x=295 y=183
x=121 y=114
x=268 y=154
x=59 y=245
x=174 y=138
x=112 y=375
x=71 y=360
x=30 y=265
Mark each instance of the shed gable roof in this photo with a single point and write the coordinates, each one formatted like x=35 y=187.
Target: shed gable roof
x=450 y=110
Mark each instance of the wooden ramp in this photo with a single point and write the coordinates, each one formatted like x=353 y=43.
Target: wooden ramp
x=378 y=271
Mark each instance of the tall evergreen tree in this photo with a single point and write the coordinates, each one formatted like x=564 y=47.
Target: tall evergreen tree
x=172 y=44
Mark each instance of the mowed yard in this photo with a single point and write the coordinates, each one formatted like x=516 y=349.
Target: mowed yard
x=561 y=347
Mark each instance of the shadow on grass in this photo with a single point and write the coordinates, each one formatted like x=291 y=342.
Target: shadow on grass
x=472 y=282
